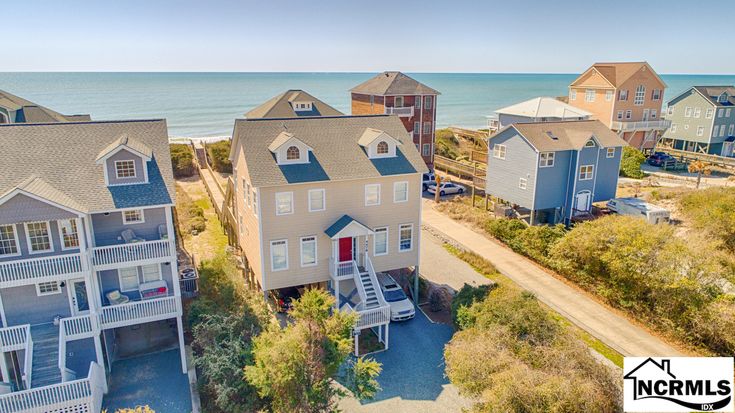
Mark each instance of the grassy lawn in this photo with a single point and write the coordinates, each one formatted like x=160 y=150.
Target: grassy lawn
x=208 y=243
x=487 y=269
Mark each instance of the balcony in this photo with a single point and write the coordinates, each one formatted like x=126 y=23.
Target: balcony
x=645 y=125
x=404 y=112
x=138 y=312
x=137 y=253
x=36 y=270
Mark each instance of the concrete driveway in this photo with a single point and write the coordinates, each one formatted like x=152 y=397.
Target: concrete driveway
x=413 y=372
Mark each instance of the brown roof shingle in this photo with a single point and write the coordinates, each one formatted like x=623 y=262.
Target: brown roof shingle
x=393 y=83
x=280 y=106
x=565 y=135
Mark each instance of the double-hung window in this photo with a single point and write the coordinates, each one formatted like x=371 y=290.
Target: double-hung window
x=589 y=95
x=620 y=115
x=417 y=102
x=317 y=200
x=608 y=95
x=69 y=234
x=399 y=101
x=125 y=169
x=623 y=95
x=586 y=172
x=133 y=216
x=640 y=95
x=128 y=278
x=151 y=272
x=417 y=128
x=39 y=237
x=653 y=113
x=400 y=191
x=428 y=102
x=255 y=203
x=8 y=241
x=48 y=288
x=727 y=112
x=628 y=114
x=700 y=130
x=688 y=112
x=610 y=153
x=731 y=129
x=380 y=241
x=546 y=159
x=308 y=251
x=372 y=194
x=656 y=95
x=721 y=113
x=427 y=128
x=523 y=183
x=279 y=255
x=405 y=237
x=426 y=150
x=697 y=112
x=284 y=203
x=499 y=151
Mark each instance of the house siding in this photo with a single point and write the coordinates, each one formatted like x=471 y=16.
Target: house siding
x=55 y=238
x=503 y=175
x=122 y=155
x=107 y=228
x=342 y=197
x=248 y=222
x=22 y=208
x=23 y=306
x=552 y=182
x=686 y=127
x=606 y=176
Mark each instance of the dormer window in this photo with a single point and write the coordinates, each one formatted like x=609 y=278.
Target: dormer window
x=125 y=169
x=302 y=106
x=293 y=153
x=723 y=98
x=590 y=144
x=378 y=144
x=382 y=148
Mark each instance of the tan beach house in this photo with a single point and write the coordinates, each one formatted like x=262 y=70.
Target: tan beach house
x=626 y=97
x=328 y=202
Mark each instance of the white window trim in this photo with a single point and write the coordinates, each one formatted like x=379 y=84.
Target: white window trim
x=270 y=251
x=366 y=194
x=40 y=294
x=620 y=115
x=610 y=153
x=700 y=130
x=290 y=193
x=61 y=235
x=119 y=279
x=324 y=199
x=550 y=156
x=523 y=183
x=395 y=192
x=589 y=95
x=387 y=242
x=687 y=112
x=17 y=243
x=500 y=148
x=255 y=203
x=28 y=238
x=399 y=238
x=426 y=150
x=609 y=94
x=573 y=94
x=142 y=217
x=591 y=174
x=316 y=251
x=135 y=170
x=158 y=270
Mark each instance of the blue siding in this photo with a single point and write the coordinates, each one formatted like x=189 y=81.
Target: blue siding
x=503 y=175
x=109 y=281
x=552 y=182
x=107 y=228
x=608 y=170
x=124 y=155
x=23 y=306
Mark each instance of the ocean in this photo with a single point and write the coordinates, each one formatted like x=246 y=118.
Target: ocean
x=205 y=104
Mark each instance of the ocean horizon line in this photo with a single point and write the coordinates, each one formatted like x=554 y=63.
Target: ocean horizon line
x=276 y=72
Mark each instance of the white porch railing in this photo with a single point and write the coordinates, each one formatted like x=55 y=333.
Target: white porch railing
x=341 y=270
x=137 y=251
x=84 y=395
x=75 y=328
x=35 y=270
x=373 y=317
x=641 y=125
x=139 y=312
x=14 y=338
x=404 y=112
x=28 y=362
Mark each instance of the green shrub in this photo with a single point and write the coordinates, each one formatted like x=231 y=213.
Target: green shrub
x=630 y=165
x=182 y=160
x=536 y=242
x=446 y=144
x=464 y=299
x=505 y=230
x=190 y=215
x=712 y=210
x=219 y=156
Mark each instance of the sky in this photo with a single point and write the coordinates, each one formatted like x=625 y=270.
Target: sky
x=528 y=36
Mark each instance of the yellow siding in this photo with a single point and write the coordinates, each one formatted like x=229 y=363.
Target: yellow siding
x=248 y=231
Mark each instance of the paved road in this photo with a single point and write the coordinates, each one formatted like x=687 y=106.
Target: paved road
x=441 y=267
x=413 y=372
x=613 y=329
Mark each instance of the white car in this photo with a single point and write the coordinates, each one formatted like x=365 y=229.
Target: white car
x=447 y=188
x=427 y=180
x=401 y=308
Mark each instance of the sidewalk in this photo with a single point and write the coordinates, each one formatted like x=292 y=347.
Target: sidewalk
x=613 y=329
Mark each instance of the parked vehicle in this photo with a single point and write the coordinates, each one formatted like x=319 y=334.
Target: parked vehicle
x=639 y=208
x=283 y=298
x=428 y=180
x=447 y=188
x=659 y=158
x=401 y=308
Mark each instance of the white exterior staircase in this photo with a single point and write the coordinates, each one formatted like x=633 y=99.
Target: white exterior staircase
x=45 y=367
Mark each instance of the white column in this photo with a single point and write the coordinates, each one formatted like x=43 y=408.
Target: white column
x=387 y=327
x=4 y=368
x=336 y=293
x=357 y=345
x=177 y=287
x=100 y=358
x=2 y=312
x=182 y=345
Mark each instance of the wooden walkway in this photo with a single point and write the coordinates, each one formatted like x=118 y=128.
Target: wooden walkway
x=716 y=160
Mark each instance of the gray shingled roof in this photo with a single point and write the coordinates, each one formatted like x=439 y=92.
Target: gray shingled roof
x=281 y=107
x=393 y=83
x=713 y=92
x=336 y=154
x=59 y=160
x=30 y=112
x=565 y=135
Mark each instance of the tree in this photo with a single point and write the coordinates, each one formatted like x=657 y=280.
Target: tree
x=700 y=168
x=138 y=409
x=630 y=164
x=294 y=366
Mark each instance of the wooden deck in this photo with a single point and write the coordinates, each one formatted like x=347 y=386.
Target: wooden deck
x=717 y=160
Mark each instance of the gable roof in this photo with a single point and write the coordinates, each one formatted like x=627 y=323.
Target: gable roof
x=712 y=93
x=393 y=83
x=39 y=188
x=281 y=106
x=343 y=222
x=336 y=153
x=57 y=161
x=29 y=112
x=127 y=142
x=282 y=139
x=371 y=134
x=565 y=135
x=543 y=107
x=616 y=73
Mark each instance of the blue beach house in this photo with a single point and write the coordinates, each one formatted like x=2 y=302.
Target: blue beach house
x=552 y=172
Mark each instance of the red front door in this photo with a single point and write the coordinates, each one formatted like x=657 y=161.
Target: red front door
x=345 y=249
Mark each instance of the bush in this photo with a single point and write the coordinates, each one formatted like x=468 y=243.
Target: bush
x=182 y=160
x=219 y=156
x=464 y=299
x=713 y=211
x=536 y=242
x=190 y=215
x=506 y=230
x=446 y=144
x=630 y=165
